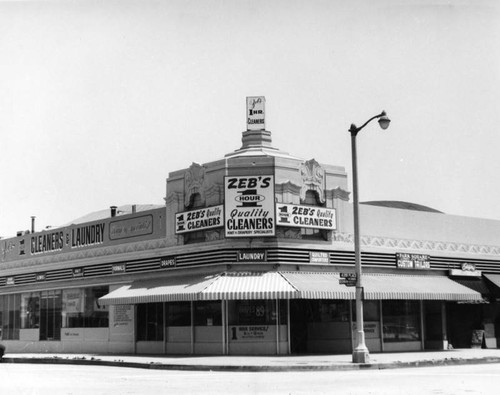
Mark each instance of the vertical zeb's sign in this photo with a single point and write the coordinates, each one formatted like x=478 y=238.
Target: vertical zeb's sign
x=249 y=206
x=256 y=113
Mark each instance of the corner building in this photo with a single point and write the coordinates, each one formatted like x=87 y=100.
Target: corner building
x=252 y=254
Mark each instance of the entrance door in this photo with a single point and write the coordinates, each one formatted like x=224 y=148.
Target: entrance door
x=50 y=315
x=300 y=313
x=462 y=320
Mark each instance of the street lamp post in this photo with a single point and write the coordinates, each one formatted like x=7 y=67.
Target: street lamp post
x=360 y=353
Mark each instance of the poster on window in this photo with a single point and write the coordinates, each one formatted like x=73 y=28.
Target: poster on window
x=73 y=300
x=249 y=206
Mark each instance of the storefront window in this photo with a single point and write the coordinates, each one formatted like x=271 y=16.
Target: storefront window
x=370 y=310
x=81 y=308
x=150 y=321
x=330 y=311
x=401 y=320
x=252 y=312
x=30 y=310
x=207 y=314
x=10 y=316
x=179 y=314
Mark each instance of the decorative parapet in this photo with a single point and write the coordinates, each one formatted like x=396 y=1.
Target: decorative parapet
x=287 y=192
x=428 y=245
x=313 y=179
x=337 y=193
x=194 y=182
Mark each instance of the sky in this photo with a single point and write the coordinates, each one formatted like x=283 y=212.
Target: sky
x=101 y=100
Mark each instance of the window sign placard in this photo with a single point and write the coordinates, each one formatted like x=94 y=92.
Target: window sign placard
x=305 y=216
x=73 y=300
x=119 y=268
x=412 y=261
x=249 y=206
x=204 y=218
x=168 y=262
x=319 y=257
x=252 y=256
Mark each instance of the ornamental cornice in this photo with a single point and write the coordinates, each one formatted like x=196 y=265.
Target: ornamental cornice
x=173 y=197
x=115 y=251
x=194 y=183
x=287 y=187
x=428 y=245
x=337 y=193
x=313 y=179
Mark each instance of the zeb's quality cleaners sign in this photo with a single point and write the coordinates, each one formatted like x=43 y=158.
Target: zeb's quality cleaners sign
x=201 y=219
x=305 y=216
x=249 y=206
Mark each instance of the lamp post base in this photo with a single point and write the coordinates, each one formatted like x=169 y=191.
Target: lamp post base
x=361 y=355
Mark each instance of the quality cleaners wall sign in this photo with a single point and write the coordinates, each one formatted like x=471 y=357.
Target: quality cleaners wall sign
x=249 y=206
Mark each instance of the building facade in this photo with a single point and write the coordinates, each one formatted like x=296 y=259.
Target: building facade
x=252 y=254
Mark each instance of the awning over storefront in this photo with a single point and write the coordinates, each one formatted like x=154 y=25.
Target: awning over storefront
x=495 y=288
x=249 y=285
x=381 y=287
x=159 y=290
x=289 y=285
x=319 y=285
x=415 y=287
x=476 y=284
x=221 y=286
x=494 y=278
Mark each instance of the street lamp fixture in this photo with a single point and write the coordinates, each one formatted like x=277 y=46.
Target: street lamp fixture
x=360 y=353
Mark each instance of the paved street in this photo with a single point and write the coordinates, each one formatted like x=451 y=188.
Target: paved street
x=35 y=379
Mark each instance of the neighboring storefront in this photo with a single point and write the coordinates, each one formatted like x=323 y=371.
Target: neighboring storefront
x=252 y=254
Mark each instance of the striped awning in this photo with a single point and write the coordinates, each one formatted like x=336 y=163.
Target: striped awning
x=382 y=287
x=159 y=290
x=289 y=285
x=416 y=287
x=319 y=285
x=249 y=285
x=494 y=278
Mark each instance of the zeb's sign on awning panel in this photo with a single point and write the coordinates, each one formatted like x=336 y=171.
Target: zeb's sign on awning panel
x=249 y=206
x=305 y=216
x=204 y=218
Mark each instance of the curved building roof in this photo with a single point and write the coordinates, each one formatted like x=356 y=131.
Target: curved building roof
x=106 y=213
x=402 y=205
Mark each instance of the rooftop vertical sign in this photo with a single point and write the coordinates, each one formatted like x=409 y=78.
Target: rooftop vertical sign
x=256 y=113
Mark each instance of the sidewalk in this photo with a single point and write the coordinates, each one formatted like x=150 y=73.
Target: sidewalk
x=267 y=363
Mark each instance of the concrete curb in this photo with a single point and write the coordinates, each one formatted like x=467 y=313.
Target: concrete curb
x=255 y=368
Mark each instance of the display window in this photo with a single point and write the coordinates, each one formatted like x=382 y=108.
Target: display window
x=371 y=310
x=330 y=311
x=208 y=313
x=179 y=314
x=401 y=320
x=81 y=308
x=30 y=310
x=252 y=312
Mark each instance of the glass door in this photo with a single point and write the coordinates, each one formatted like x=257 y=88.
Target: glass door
x=50 y=315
